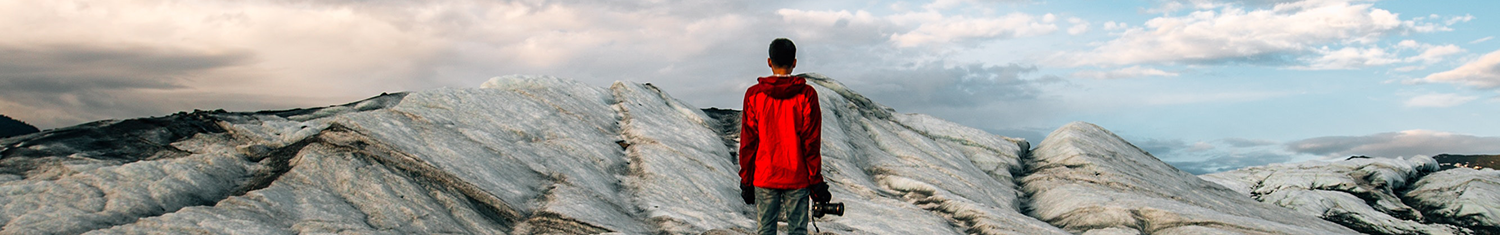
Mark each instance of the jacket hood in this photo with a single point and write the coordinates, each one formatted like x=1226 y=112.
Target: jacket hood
x=783 y=87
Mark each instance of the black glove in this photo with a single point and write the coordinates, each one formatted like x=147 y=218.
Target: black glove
x=748 y=192
x=820 y=192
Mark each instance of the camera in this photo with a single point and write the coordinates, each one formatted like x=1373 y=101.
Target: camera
x=831 y=208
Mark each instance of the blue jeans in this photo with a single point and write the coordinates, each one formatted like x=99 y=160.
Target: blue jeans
x=770 y=204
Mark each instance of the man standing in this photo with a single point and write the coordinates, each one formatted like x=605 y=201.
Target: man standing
x=780 y=162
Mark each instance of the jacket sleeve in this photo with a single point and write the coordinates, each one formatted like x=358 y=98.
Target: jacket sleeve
x=749 y=139
x=811 y=132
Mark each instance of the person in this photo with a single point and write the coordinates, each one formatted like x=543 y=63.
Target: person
x=780 y=162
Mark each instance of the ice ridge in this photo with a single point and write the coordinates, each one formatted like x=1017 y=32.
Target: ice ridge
x=545 y=155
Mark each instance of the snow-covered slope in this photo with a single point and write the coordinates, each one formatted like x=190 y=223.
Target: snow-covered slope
x=1087 y=180
x=543 y=155
x=522 y=154
x=1460 y=196
x=1359 y=193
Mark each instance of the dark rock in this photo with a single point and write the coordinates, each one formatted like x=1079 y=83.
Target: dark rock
x=12 y=127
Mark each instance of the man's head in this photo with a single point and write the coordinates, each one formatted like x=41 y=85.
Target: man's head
x=783 y=55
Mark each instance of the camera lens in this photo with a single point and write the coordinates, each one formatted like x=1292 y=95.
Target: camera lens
x=820 y=209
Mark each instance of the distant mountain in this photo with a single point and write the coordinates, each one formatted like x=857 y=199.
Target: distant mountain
x=1450 y=161
x=12 y=127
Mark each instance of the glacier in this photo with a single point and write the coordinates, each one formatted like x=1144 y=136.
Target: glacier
x=525 y=154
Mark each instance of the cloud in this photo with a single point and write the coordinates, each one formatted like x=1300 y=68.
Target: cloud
x=1226 y=33
x=1204 y=157
x=1350 y=58
x=1439 y=100
x=60 y=84
x=278 y=54
x=1172 y=147
x=1128 y=72
x=1231 y=162
x=1242 y=142
x=1483 y=39
x=1458 y=19
x=924 y=28
x=938 y=29
x=256 y=55
x=1434 y=54
x=1397 y=144
x=61 y=68
x=949 y=4
x=1483 y=73
x=1112 y=26
x=936 y=84
x=1079 y=26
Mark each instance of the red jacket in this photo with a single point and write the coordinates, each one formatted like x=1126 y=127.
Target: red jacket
x=780 y=135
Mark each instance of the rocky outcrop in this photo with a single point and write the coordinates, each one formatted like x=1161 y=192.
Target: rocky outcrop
x=12 y=127
x=1475 y=161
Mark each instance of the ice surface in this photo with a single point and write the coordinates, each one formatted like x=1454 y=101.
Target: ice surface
x=1087 y=180
x=545 y=155
x=680 y=174
x=1460 y=196
x=1359 y=193
x=905 y=162
x=522 y=155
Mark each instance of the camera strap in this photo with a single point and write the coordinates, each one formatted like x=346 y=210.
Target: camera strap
x=815 y=224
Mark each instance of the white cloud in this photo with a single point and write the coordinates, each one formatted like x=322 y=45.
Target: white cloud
x=1111 y=25
x=1079 y=26
x=1481 y=40
x=1434 y=54
x=1439 y=100
x=1457 y=19
x=1170 y=6
x=949 y=4
x=1482 y=73
x=1280 y=35
x=1397 y=144
x=1129 y=72
x=1350 y=58
x=956 y=29
x=1430 y=54
x=912 y=29
x=1408 y=44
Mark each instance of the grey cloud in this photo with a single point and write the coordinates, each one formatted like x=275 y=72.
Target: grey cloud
x=1032 y=135
x=1160 y=147
x=1397 y=144
x=1224 y=163
x=1243 y=142
x=1214 y=156
x=64 y=84
x=934 y=84
x=62 y=68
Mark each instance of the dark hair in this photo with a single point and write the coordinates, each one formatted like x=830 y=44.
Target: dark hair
x=783 y=52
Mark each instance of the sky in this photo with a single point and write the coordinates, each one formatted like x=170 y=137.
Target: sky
x=1207 y=85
